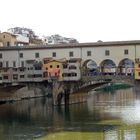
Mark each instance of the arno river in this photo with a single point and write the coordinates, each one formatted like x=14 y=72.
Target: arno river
x=112 y=115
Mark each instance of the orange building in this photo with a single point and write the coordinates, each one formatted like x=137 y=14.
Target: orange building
x=53 y=69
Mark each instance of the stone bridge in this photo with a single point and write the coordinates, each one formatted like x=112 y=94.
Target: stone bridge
x=63 y=90
x=67 y=92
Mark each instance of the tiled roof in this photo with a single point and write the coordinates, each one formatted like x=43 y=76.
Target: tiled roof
x=74 y=45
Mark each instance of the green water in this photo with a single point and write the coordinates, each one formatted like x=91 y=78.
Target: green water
x=105 y=116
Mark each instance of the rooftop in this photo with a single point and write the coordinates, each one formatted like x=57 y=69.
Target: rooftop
x=74 y=45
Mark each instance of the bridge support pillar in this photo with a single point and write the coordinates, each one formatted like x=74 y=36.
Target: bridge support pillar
x=66 y=97
x=61 y=93
x=58 y=93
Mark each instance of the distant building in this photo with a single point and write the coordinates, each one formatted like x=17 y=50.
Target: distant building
x=22 y=40
x=25 y=36
x=23 y=31
x=57 y=39
x=34 y=42
x=8 y=39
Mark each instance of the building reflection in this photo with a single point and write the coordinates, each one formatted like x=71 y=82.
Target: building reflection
x=121 y=134
x=37 y=117
x=123 y=97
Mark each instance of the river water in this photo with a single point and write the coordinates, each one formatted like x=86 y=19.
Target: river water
x=111 y=115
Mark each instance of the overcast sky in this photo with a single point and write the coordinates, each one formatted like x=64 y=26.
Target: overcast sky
x=85 y=20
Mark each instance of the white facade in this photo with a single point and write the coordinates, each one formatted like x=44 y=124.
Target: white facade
x=22 y=39
x=73 y=70
x=57 y=39
x=116 y=52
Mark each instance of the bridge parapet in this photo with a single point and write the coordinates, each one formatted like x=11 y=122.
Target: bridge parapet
x=113 y=78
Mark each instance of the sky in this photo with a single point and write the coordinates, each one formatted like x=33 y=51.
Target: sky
x=85 y=20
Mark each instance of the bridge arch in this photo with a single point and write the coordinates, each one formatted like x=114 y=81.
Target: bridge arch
x=90 y=66
x=126 y=67
x=108 y=66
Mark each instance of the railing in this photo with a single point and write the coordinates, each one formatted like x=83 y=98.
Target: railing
x=106 y=77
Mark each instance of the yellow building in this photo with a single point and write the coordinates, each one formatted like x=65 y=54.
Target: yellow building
x=8 y=39
x=53 y=69
x=137 y=69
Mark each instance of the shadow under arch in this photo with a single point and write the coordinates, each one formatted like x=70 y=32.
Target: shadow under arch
x=108 y=66
x=126 y=67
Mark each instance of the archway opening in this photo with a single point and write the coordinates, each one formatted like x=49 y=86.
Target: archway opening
x=126 y=67
x=108 y=67
x=90 y=67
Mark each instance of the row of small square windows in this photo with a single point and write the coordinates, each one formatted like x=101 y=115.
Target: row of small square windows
x=71 y=54
x=22 y=65
x=7 y=64
x=107 y=52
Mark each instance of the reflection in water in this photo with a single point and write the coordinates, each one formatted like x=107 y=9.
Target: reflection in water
x=130 y=134
x=105 y=116
x=111 y=135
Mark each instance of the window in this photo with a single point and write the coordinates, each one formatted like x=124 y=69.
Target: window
x=107 y=52
x=22 y=63
x=5 y=70
x=0 y=55
x=7 y=64
x=36 y=55
x=1 y=64
x=65 y=66
x=30 y=68
x=72 y=67
x=50 y=66
x=88 y=53
x=139 y=73
x=45 y=74
x=14 y=63
x=54 y=54
x=125 y=51
x=65 y=74
x=38 y=68
x=71 y=54
x=8 y=43
x=38 y=76
x=74 y=74
x=30 y=76
x=21 y=55
x=22 y=69
x=49 y=41
x=57 y=66
x=15 y=69
x=5 y=77
x=22 y=76
x=4 y=36
x=15 y=76
x=139 y=65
